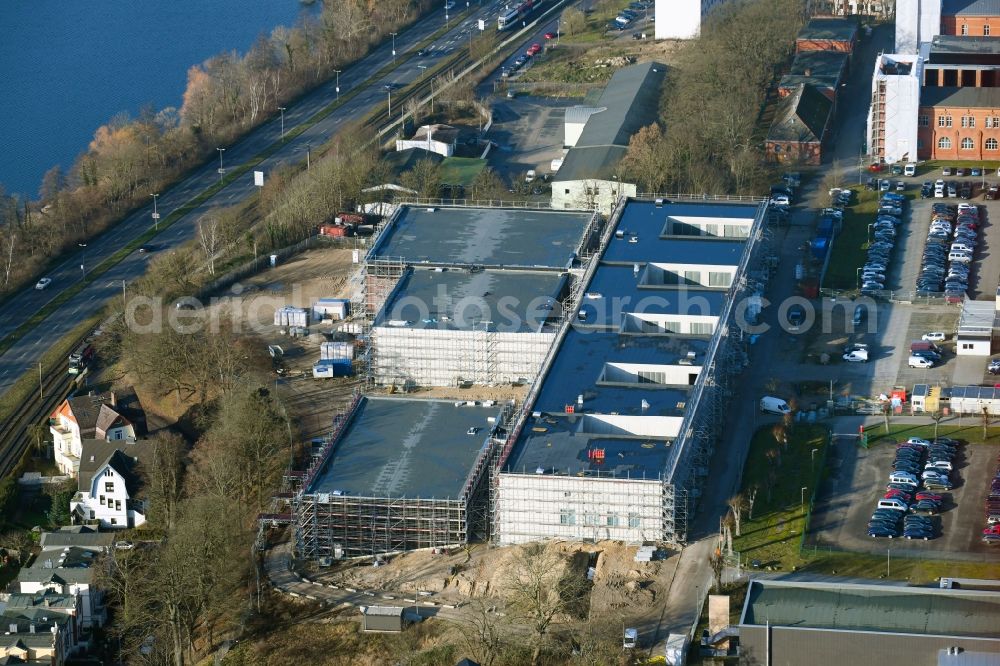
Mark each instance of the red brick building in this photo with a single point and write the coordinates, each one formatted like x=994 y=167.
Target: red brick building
x=971 y=18
x=959 y=124
x=801 y=127
x=828 y=34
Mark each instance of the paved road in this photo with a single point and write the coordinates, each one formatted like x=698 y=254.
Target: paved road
x=26 y=352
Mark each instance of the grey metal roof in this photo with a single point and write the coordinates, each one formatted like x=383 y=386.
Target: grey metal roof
x=615 y=291
x=879 y=608
x=580 y=113
x=399 y=447
x=970 y=8
x=122 y=455
x=457 y=299
x=76 y=535
x=485 y=236
x=835 y=29
x=631 y=101
x=966 y=97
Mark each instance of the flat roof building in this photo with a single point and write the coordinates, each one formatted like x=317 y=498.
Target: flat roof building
x=605 y=447
x=396 y=474
x=792 y=623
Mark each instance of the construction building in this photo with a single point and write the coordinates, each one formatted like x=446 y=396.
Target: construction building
x=618 y=429
x=788 y=623
x=589 y=176
x=892 y=117
x=681 y=20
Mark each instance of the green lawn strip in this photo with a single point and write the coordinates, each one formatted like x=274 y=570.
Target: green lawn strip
x=26 y=386
x=779 y=515
x=932 y=168
x=916 y=571
x=597 y=27
x=851 y=244
x=195 y=202
x=970 y=430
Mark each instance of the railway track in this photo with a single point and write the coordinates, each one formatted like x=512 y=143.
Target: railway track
x=14 y=438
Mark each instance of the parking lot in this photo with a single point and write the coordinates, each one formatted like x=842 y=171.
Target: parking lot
x=529 y=134
x=857 y=479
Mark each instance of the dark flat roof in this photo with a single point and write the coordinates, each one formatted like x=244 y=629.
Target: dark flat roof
x=970 y=8
x=973 y=98
x=399 y=447
x=457 y=299
x=943 y=45
x=485 y=236
x=615 y=291
x=829 y=28
x=820 y=63
x=880 y=608
x=649 y=248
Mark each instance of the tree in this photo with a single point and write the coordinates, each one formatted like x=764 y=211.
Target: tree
x=541 y=588
x=424 y=178
x=718 y=564
x=573 y=20
x=936 y=416
x=210 y=240
x=38 y=433
x=488 y=185
x=60 y=494
x=751 y=497
x=986 y=421
x=18 y=543
x=484 y=634
x=163 y=476
x=736 y=504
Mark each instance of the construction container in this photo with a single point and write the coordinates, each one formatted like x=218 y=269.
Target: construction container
x=334 y=230
x=329 y=351
x=340 y=367
x=289 y=316
x=331 y=308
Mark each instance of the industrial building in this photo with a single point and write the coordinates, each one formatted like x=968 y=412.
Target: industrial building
x=619 y=428
x=589 y=176
x=396 y=474
x=787 y=623
x=681 y=20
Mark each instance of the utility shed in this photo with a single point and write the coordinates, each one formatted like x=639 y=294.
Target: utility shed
x=383 y=618
x=975 y=328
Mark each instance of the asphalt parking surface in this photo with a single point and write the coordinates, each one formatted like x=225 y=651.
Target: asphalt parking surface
x=529 y=132
x=857 y=479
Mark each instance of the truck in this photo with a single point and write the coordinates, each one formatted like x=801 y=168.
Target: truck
x=676 y=650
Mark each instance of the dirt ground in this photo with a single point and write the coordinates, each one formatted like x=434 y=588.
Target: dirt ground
x=620 y=584
x=498 y=393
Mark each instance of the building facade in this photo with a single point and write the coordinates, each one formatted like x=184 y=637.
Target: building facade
x=109 y=484
x=680 y=19
x=959 y=124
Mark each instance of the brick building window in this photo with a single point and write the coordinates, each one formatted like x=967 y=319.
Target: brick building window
x=986 y=30
x=968 y=121
x=991 y=144
x=965 y=29
x=944 y=143
x=967 y=144
x=944 y=121
x=996 y=121
x=923 y=121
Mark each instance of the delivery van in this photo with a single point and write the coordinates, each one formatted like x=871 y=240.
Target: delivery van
x=771 y=405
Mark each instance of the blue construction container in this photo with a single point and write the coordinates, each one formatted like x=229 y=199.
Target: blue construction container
x=820 y=246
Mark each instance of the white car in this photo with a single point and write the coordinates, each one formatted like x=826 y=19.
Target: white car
x=910 y=169
x=934 y=336
x=856 y=356
x=780 y=200
x=940 y=465
x=920 y=362
x=918 y=441
x=43 y=283
x=934 y=474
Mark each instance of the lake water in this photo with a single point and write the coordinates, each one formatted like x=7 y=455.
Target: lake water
x=66 y=68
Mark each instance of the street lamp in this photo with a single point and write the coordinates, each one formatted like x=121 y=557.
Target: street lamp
x=423 y=70
x=388 y=89
x=812 y=461
x=337 y=72
x=156 y=216
x=802 y=496
x=394 y=45
x=221 y=169
x=83 y=261
x=282 y=109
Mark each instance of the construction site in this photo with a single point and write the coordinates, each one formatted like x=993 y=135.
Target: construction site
x=625 y=334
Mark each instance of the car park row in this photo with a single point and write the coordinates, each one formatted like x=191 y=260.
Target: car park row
x=948 y=252
x=906 y=509
x=882 y=240
x=991 y=533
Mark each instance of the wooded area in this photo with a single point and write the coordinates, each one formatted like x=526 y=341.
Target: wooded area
x=226 y=96
x=706 y=139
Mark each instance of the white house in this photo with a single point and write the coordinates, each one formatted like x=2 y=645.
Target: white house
x=440 y=139
x=681 y=19
x=589 y=176
x=108 y=485
x=103 y=416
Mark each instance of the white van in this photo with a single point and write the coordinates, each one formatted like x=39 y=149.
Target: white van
x=920 y=362
x=959 y=256
x=903 y=478
x=910 y=169
x=959 y=246
x=895 y=504
x=772 y=405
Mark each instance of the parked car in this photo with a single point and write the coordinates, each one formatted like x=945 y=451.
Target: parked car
x=934 y=336
x=946 y=171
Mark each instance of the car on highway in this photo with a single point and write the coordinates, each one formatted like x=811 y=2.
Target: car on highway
x=43 y=283
x=534 y=49
x=550 y=35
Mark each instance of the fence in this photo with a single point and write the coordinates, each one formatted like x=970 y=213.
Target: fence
x=899 y=296
x=701 y=197
x=817 y=480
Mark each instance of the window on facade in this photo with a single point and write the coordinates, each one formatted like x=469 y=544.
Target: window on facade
x=612 y=520
x=701 y=328
x=734 y=231
x=92 y=515
x=968 y=121
x=986 y=30
x=712 y=229
x=719 y=279
x=633 y=520
x=107 y=472
x=967 y=144
x=991 y=144
x=567 y=517
x=590 y=518
x=669 y=326
x=944 y=143
x=923 y=121
x=114 y=521
x=965 y=29
x=944 y=121
x=109 y=487
x=996 y=122
x=692 y=277
x=118 y=505
x=102 y=500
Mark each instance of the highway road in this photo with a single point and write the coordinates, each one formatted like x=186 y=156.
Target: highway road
x=26 y=352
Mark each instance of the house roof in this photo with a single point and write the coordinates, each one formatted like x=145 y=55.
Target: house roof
x=802 y=116
x=442 y=133
x=945 y=45
x=108 y=418
x=970 y=8
x=819 y=63
x=99 y=410
x=630 y=101
x=581 y=114
x=81 y=536
x=834 y=29
x=122 y=456
x=60 y=576
x=967 y=97
x=41 y=600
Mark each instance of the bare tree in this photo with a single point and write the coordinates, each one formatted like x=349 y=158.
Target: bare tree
x=751 y=497
x=210 y=240
x=718 y=564
x=936 y=416
x=11 y=242
x=484 y=634
x=736 y=504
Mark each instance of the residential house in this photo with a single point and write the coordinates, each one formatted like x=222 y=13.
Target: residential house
x=801 y=127
x=112 y=416
x=109 y=484
x=45 y=608
x=589 y=176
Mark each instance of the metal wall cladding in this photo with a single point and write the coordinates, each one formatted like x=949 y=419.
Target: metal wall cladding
x=289 y=316
x=329 y=351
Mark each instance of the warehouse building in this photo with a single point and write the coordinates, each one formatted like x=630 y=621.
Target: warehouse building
x=619 y=428
x=786 y=623
x=397 y=474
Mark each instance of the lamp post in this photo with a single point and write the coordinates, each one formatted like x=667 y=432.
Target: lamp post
x=282 y=109
x=423 y=70
x=221 y=169
x=388 y=89
x=337 y=72
x=802 y=496
x=156 y=215
x=308 y=153
x=812 y=461
x=83 y=260
x=393 y=45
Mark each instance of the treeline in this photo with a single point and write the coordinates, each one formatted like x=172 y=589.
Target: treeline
x=705 y=141
x=227 y=95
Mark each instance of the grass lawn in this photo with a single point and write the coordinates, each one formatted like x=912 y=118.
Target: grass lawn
x=773 y=536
